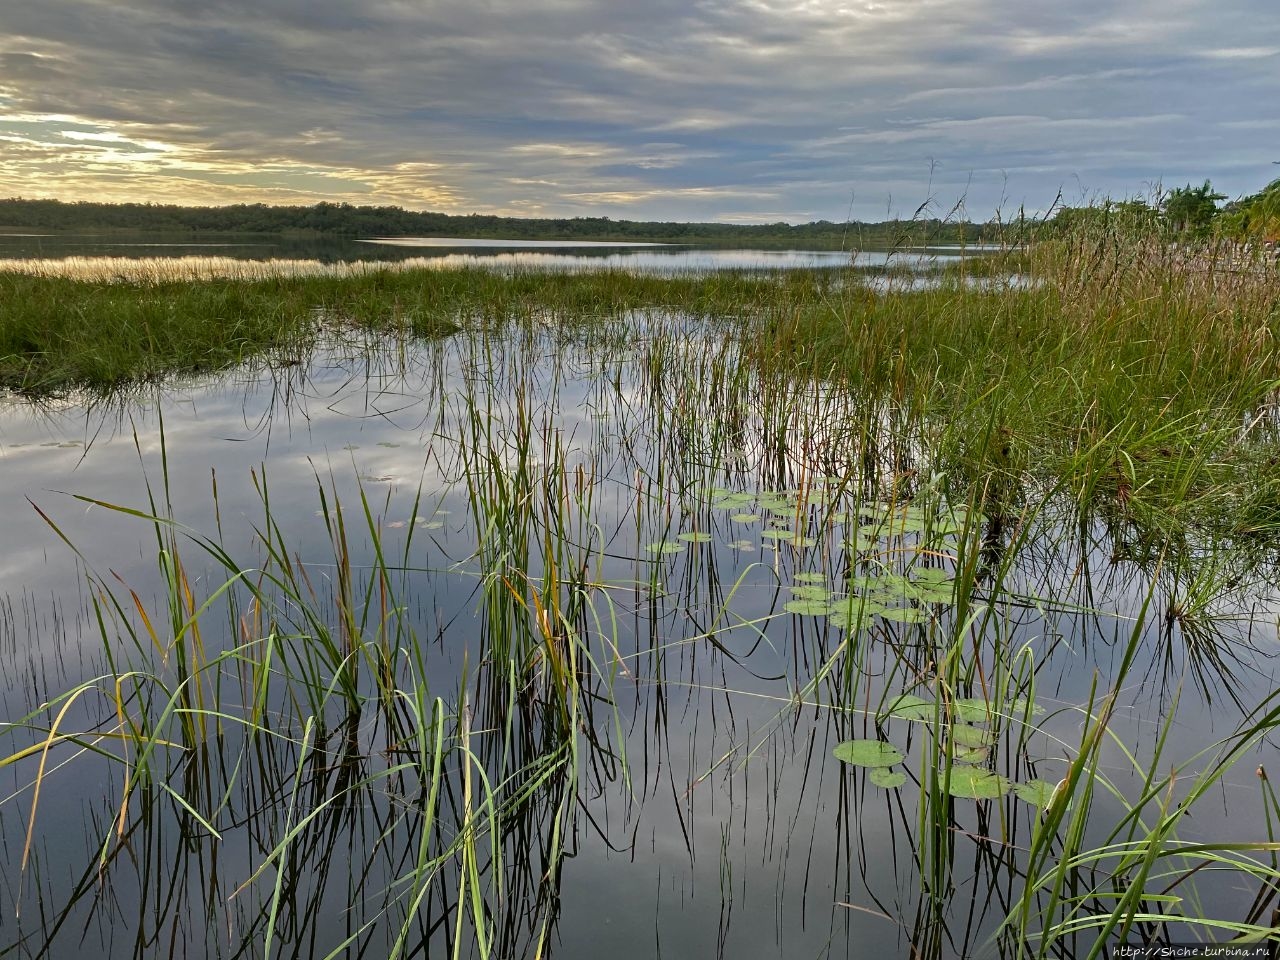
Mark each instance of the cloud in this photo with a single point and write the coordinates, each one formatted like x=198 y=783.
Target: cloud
x=671 y=110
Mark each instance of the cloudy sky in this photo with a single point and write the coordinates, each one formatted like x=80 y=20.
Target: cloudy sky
x=742 y=110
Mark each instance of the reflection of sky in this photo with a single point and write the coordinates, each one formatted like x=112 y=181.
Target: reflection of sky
x=180 y=263
x=396 y=426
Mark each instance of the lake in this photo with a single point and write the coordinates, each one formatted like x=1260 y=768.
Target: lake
x=581 y=639
x=45 y=251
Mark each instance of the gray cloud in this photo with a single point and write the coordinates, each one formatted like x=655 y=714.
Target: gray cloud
x=764 y=109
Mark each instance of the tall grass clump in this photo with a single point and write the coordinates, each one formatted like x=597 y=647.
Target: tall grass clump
x=1114 y=362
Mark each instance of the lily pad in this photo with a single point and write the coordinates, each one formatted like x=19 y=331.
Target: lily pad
x=867 y=538
x=910 y=707
x=977 y=710
x=928 y=593
x=665 y=547
x=808 y=608
x=889 y=779
x=810 y=576
x=744 y=518
x=1038 y=793
x=868 y=753
x=695 y=536
x=974 y=783
x=777 y=534
x=933 y=575
x=969 y=754
x=968 y=736
x=853 y=610
x=905 y=524
x=906 y=614
x=811 y=592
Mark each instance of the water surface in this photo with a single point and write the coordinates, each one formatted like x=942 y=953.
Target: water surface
x=677 y=508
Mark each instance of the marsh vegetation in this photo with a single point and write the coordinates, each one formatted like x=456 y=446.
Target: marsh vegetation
x=752 y=614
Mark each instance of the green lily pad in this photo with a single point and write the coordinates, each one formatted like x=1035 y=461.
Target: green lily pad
x=932 y=594
x=910 y=707
x=905 y=525
x=808 y=608
x=695 y=536
x=977 y=710
x=811 y=592
x=968 y=736
x=785 y=536
x=1038 y=793
x=932 y=575
x=974 y=783
x=743 y=546
x=868 y=753
x=810 y=576
x=889 y=779
x=665 y=547
x=968 y=754
x=906 y=614
x=869 y=538
x=744 y=518
x=852 y=611
x=973 y=710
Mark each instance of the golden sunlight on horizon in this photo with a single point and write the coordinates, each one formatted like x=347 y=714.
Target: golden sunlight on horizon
x=64 y=157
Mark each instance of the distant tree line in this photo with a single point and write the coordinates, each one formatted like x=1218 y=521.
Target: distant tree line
x=345 y=220
x=1189 y=212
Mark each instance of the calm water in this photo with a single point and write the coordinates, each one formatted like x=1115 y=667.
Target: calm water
x=452 y=252
x=711 y=817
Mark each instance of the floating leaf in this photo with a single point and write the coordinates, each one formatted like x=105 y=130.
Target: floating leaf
x=969 y=754
x=974 y=783
x=811 y=593
x=1038 y=793
x=745 y=546
x=932 y=594
x=906 y=614
x=889 y=779
x=977 y=710
x=786 y=536
x=744 y=518
x=867 y=538
x=973 y=710
x=810 y=576
x=808 y=608
x=904 y=525
x=695 y=536
x=868 y=753
x=932 y=575
x=968 y=736
x=664 y=547
x=910 y=707
x=853 y=610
